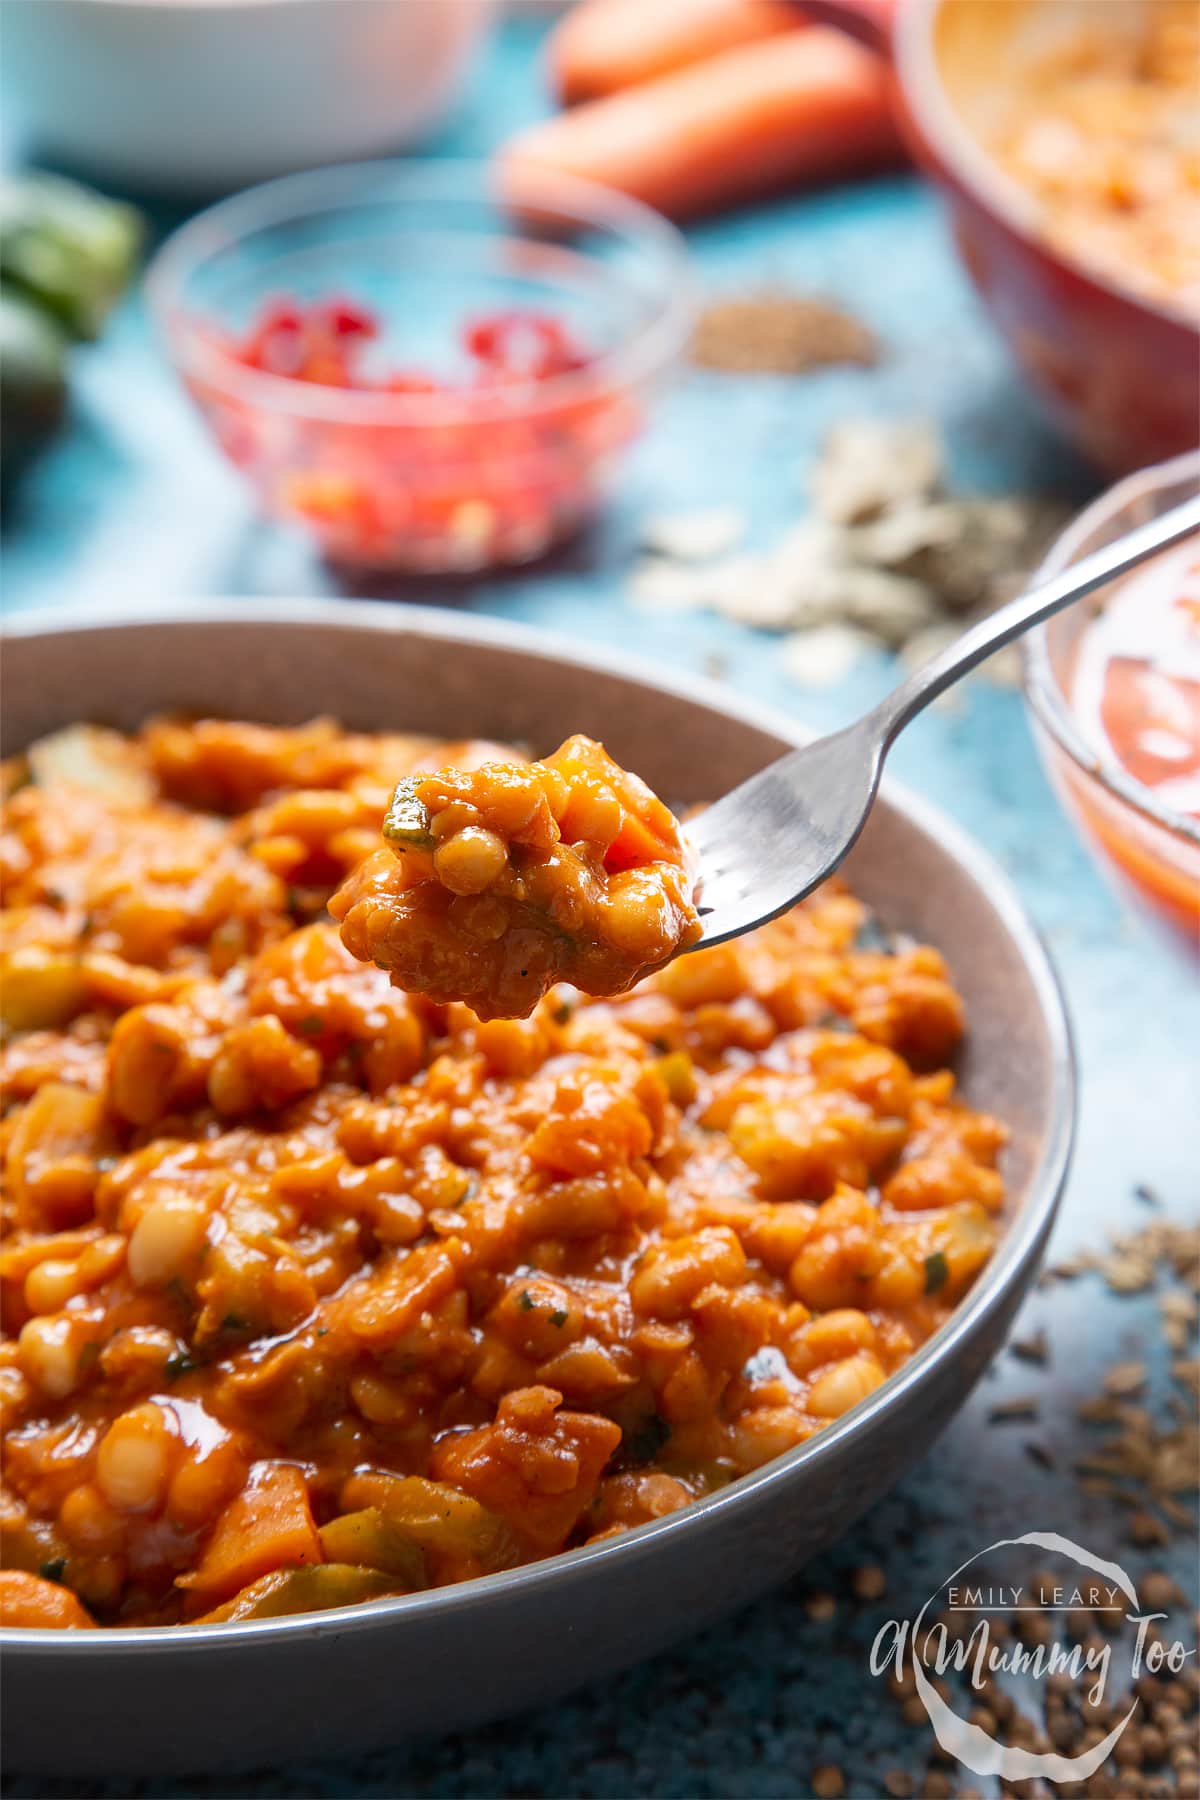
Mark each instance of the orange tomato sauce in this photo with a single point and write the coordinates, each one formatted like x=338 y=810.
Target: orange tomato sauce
x=1136 y=683
x=314 y=1290
x=1134 y=688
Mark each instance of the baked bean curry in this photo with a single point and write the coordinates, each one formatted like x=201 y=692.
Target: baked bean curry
x=318 y=1288
x=512 y=876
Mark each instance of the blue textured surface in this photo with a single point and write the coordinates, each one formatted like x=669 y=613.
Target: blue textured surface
x=134 y=503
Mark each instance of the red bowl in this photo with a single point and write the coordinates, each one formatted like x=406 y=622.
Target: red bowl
x=1119 y=374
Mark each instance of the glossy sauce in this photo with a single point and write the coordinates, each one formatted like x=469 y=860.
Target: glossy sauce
x=314 y=1290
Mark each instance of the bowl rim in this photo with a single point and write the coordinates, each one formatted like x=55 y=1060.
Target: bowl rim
x=968 y=162
x=1019 y=1244
x=343 y=186
x=1042 y=688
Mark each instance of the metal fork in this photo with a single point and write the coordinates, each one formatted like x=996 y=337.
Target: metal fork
x=763 y=847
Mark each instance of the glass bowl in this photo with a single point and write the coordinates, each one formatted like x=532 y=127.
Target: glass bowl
x=1151 y=851
x=456 y=472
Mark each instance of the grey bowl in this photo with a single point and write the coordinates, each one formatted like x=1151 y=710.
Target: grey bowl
x=204 y=1697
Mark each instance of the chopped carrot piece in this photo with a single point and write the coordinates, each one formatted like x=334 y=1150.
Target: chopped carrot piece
x=30 y=1601
x=268 y=1526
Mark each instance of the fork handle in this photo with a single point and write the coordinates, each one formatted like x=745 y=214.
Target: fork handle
x=1030 y=608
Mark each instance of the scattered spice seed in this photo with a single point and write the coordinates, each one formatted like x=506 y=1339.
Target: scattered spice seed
x=1035 y=1349
x=1187 y=1371
x=1125 y=1378
x=1150 y=1468
x=779 y=333
x=1147 y=1467
x=820 y=1606
x=828 y=1782
x=1159 y=1591
x=1025 y=1407
x=1179 y=1313
x=1128 y=1274
x=868 y=1582
x=1070 y=1268
x=1144 y=1530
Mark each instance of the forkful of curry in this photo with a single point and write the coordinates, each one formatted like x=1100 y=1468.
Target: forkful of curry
x=495 y=883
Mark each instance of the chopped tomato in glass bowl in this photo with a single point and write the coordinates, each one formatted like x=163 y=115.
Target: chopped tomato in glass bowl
x=430 y=367
x=1114 y=690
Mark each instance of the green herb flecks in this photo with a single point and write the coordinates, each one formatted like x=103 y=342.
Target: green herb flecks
x=651 y=1436
x=871 y=935
x=406 y=822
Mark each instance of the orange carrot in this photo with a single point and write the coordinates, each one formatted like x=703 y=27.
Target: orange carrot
x=602 y=46
x=28 y=1600
x=801 y=107
x=268 y=1526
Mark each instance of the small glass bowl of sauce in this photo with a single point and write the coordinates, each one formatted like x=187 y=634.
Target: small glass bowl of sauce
x=1113 y=686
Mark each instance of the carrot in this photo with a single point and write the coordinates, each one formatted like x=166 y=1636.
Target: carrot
x=602 y=46
x=801 y=107
x=28 y=1600
x=268 y=1526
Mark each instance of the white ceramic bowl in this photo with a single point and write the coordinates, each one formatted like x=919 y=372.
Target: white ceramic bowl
x=206 y=95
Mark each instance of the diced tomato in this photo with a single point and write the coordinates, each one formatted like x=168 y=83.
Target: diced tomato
x=463 y=493
x=522 y=343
